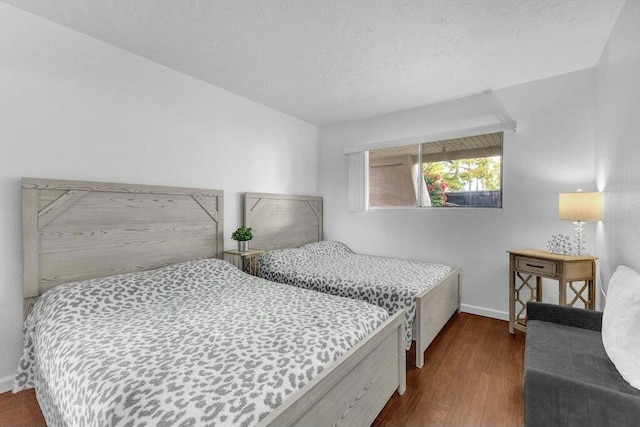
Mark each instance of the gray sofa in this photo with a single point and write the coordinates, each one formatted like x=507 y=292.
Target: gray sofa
x=568 y=378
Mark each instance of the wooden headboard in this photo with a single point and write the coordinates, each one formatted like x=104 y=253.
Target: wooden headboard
x=282 y=221
x=75 y=230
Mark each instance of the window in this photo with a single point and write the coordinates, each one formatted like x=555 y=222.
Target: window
x=461 y=172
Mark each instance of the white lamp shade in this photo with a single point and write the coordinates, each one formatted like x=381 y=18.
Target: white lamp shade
x=580 y=206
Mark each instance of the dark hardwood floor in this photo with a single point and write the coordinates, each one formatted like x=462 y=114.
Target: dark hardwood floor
x=472 y=377
x=20 y=410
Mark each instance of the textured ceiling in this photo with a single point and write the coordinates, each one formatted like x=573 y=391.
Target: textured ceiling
x=327 y=61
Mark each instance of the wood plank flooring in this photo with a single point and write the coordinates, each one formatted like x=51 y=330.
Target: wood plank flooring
x=472 y=377
x=20 y=410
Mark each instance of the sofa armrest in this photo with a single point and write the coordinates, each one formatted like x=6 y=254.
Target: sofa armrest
x=569 y=316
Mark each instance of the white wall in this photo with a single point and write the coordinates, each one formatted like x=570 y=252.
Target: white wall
x=618 y=144
x=72 y=107
x=551 y=152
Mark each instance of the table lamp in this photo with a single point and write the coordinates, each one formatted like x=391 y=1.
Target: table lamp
x=580 y=207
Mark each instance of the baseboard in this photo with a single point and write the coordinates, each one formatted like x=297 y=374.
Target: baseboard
x=6 y=384
x=486 y=312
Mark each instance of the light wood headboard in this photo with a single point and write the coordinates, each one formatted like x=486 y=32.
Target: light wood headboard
x=282 y=221
x=74 y=230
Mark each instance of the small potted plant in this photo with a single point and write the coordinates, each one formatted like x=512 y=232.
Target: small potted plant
x=242 y=235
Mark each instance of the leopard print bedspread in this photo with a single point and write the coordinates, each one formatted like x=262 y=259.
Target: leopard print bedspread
x=333 y=268
x=198 y=343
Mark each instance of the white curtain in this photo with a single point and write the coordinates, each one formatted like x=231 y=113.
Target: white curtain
x=357 y=171
x=418 y=180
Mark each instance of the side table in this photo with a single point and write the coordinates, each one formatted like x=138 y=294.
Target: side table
x=245 y=261
x=566 y=269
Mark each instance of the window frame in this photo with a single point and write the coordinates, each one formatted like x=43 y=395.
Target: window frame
x=421 y=162
x=358 y=180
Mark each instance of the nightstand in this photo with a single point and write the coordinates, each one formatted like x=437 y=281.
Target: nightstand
x=245 y=261
x=566 y=269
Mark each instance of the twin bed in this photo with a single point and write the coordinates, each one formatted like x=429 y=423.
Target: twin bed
x=290 y=229
x=155 y=328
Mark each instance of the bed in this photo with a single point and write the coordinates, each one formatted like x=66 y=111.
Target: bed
x=289 y=228
x=133 y=317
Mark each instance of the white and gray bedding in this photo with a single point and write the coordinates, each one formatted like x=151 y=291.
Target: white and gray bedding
x=197 y=343
x=333 y=268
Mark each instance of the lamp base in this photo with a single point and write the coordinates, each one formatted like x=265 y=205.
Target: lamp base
x=580 y=241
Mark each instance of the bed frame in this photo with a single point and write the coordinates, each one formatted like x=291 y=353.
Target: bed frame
x=76 y=230
x=285 y=221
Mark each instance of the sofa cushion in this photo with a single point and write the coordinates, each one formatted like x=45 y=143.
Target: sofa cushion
x=572 y=352
x=570 y=381
x=621 y=324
